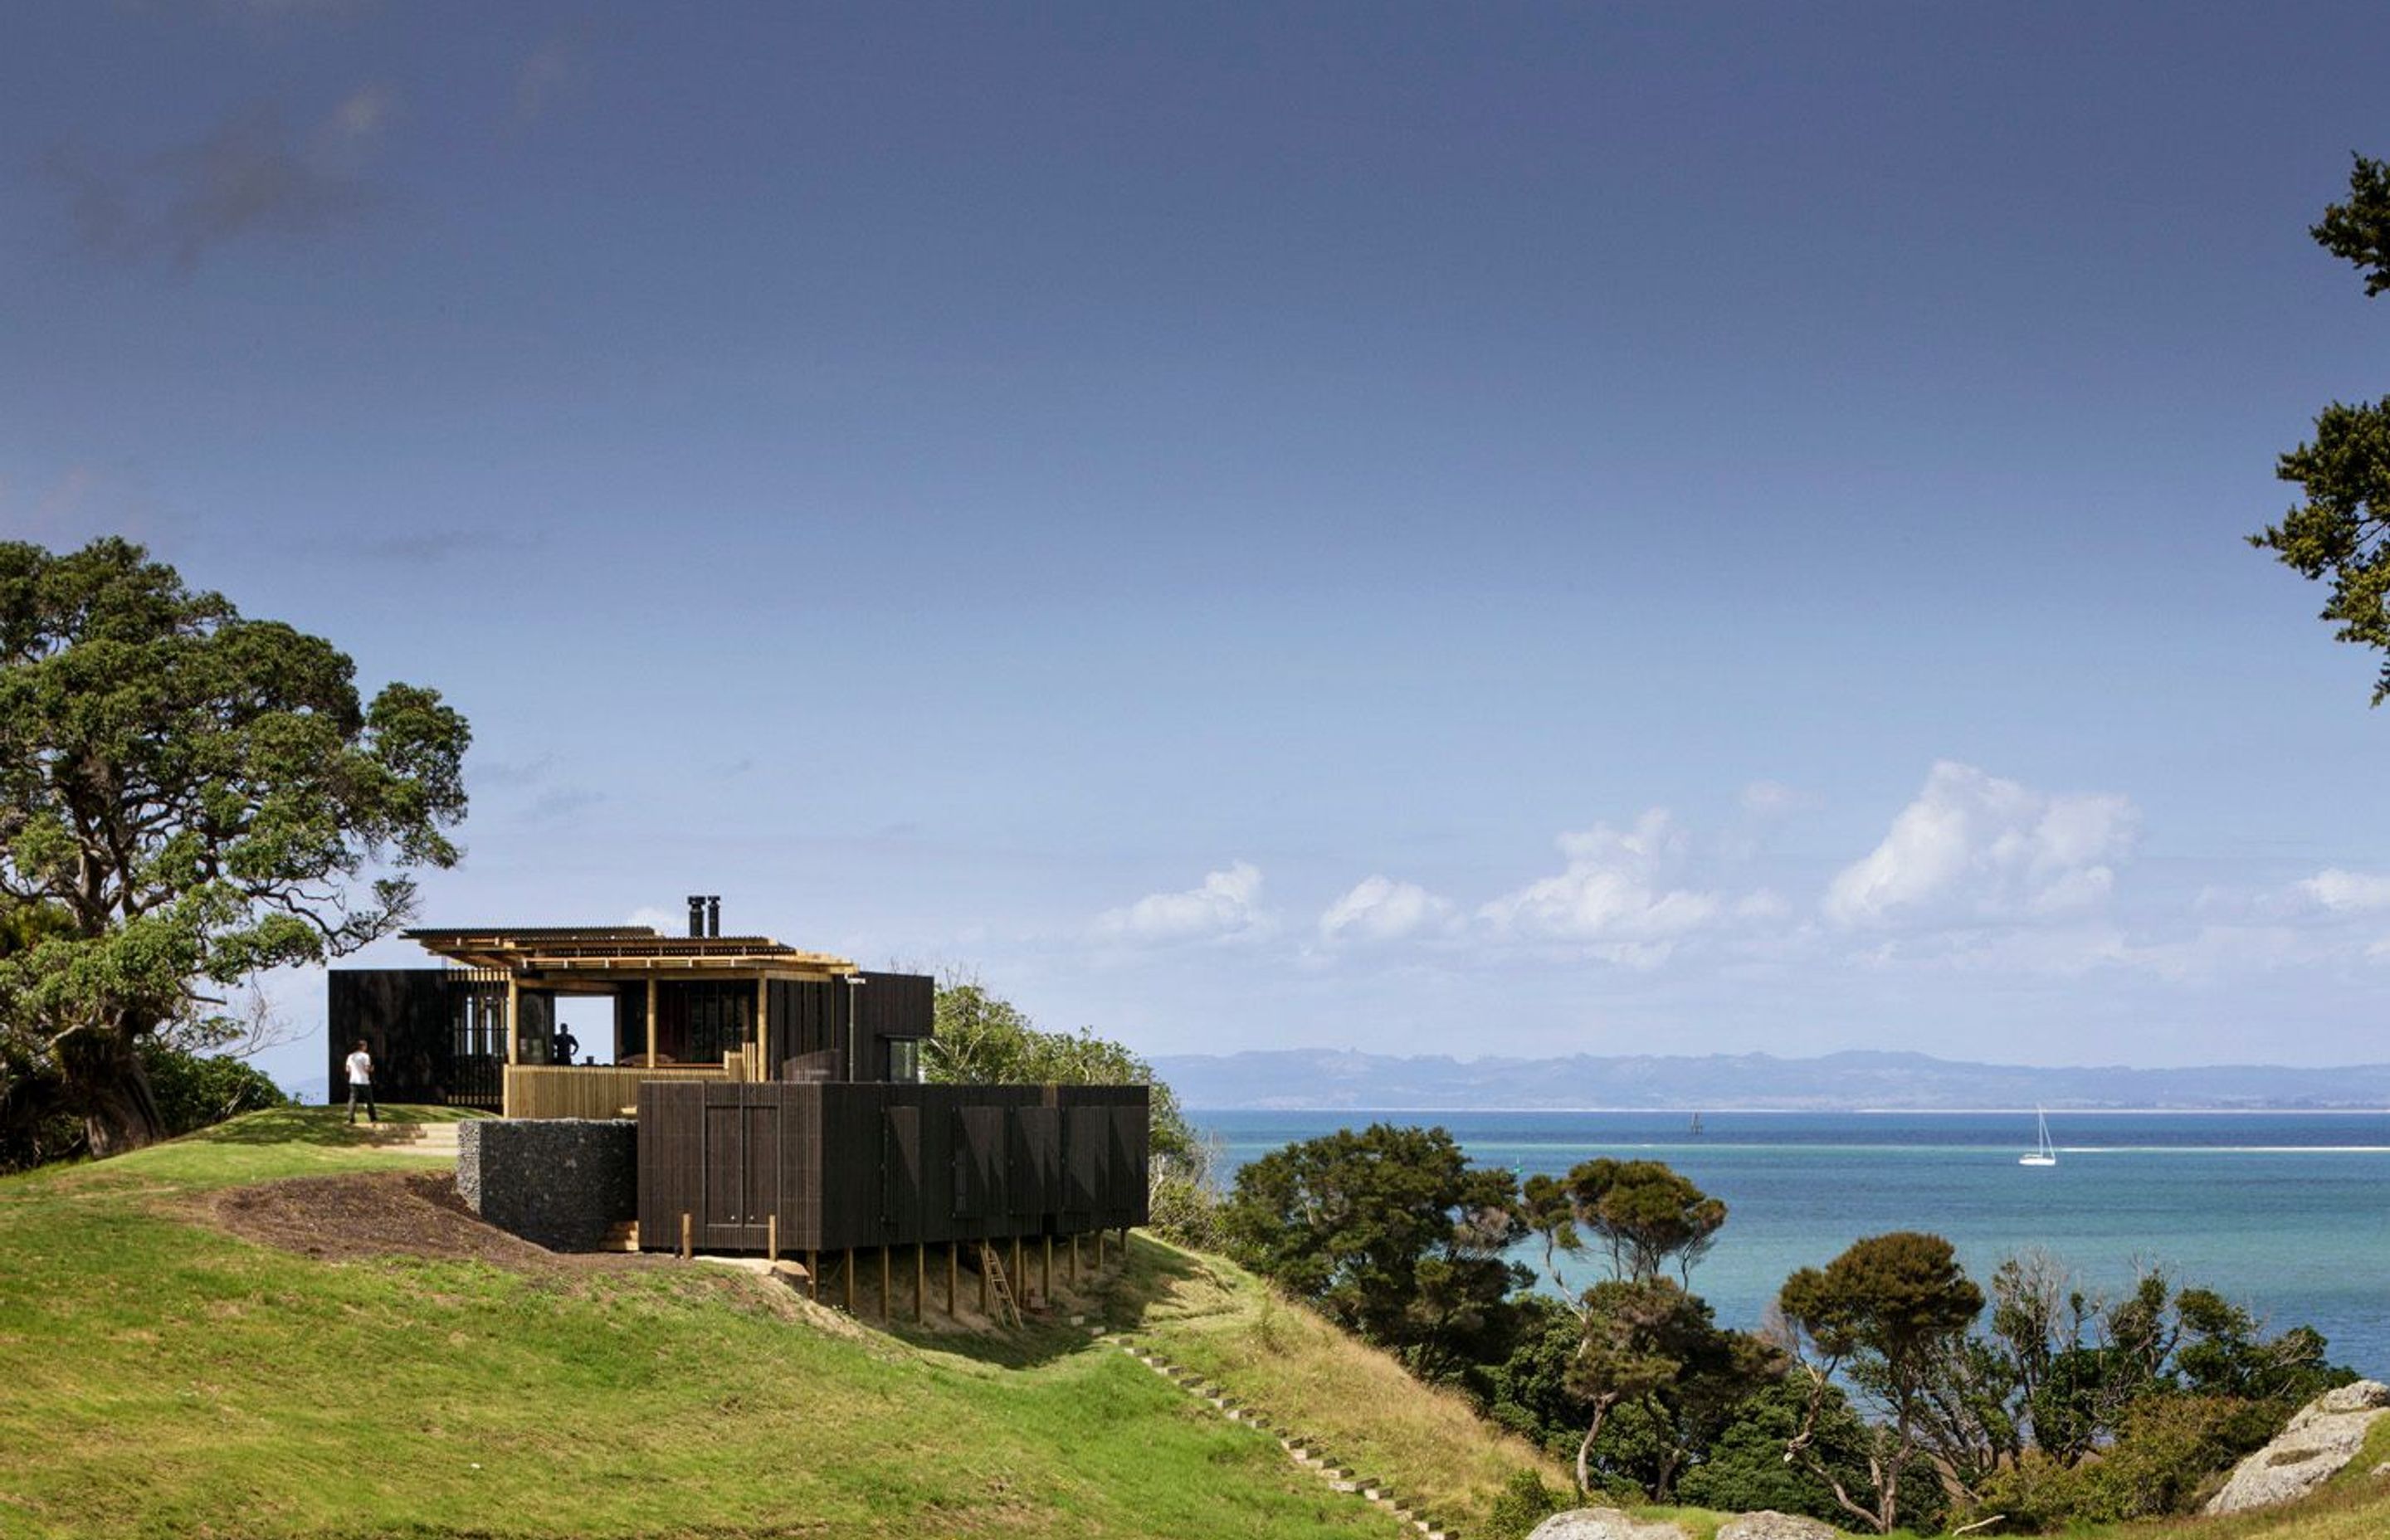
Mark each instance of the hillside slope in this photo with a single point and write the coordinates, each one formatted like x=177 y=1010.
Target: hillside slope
x=184 y=1352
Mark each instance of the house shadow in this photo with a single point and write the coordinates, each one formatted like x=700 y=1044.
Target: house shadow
x=1054 y=1322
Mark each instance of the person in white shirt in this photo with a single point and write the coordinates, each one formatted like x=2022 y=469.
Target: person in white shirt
x=361 y=1083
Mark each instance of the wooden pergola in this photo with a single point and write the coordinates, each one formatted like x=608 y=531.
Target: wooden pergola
x=605 y=959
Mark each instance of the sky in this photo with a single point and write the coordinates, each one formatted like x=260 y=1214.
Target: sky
x=1484 y=529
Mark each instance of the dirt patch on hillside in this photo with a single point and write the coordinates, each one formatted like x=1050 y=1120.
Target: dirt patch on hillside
x=386 y=1214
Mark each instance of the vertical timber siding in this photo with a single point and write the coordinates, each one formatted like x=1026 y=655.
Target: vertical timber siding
x=844 y=1166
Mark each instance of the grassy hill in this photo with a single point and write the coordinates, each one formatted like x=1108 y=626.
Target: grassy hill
x=271 y=1331
x=159 y=1374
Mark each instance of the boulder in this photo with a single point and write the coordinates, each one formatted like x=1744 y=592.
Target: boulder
x=1768 y=1524
x=2317 y=1442
x=1603 y=1523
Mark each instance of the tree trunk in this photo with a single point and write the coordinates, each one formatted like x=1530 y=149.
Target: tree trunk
x=1665 y=1489
x=1887 y=1480
x=107 y=1085
x=1584 y=1449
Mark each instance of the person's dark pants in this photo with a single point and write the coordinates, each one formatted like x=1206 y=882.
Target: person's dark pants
x=361 y=1088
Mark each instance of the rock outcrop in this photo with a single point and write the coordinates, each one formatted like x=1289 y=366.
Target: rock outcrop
x=1603 y=1523
x=2322 y=1437
x=1768 y=1524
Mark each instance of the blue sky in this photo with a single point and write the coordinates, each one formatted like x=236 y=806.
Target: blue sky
x=1487 y=530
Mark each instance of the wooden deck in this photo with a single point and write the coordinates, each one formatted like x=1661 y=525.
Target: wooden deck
x=590 y=1091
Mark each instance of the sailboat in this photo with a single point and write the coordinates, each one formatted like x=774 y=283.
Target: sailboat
x=1696 y=1129
x=2044 y=1152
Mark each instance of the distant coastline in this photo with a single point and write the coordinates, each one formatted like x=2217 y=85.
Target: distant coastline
x=1855 y=1082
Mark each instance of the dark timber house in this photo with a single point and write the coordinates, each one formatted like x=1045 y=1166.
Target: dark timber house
x=777 y=1092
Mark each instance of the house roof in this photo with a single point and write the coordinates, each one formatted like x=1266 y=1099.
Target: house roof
x=518 y=949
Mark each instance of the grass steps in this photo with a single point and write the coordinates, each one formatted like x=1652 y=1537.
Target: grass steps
x=1337 y=1476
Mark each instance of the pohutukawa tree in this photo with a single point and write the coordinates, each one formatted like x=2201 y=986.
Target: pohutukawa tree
x=187 y=797
x=2342 y=530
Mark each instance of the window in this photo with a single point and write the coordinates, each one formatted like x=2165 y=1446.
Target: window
x=905 y=1059
x=697 y=1023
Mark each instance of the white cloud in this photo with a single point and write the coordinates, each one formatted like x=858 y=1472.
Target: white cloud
x=1973 y=847
x=1227 y=904
x=1614 y=890
x=1379 y=908
x=2348 y=892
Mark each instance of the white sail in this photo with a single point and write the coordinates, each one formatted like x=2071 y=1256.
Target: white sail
x=2044 y=1152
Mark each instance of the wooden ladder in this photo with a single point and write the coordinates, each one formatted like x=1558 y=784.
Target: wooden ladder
x=1006 y=1309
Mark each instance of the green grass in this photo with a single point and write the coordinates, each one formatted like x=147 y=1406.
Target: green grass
x=1291 y=1363
x=160 y=1378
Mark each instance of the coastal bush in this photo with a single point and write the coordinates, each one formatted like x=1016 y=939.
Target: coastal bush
x=1527 y=1390
x=2174 y=1449
x=2223 y=1350
x=1744 y=1469
x=1393 y=1234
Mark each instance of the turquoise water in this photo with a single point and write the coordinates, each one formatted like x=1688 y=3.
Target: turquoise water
x=2286 y=1213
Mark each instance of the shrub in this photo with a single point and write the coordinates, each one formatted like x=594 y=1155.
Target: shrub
x=1185 y=1206
x=1745 y=1469
x=197 y=1091
x=1524 y=1502
x=2169 y=1454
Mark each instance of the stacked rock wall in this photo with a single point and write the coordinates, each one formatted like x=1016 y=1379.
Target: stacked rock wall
x=562 y=1182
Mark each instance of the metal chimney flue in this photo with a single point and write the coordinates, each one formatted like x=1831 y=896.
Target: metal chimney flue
x=714 y=914
x=696 y=916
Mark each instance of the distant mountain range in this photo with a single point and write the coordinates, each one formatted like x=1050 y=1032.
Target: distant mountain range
x=1839 y=1082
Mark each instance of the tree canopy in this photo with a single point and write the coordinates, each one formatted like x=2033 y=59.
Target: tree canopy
x=1390 y=1230
x=1891 y=1311
x=187 y=797
x=1645 y=1214
x=2342 y=530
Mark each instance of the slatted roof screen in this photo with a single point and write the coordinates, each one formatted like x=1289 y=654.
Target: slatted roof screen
x=518 y=949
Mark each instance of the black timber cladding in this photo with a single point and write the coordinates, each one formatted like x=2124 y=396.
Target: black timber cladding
x=844 y=1165
x=436 y=1034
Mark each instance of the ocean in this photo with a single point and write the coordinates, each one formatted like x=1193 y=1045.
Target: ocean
x=2286 y=1213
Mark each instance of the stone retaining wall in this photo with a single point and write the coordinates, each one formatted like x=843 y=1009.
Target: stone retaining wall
x=562 y=1182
